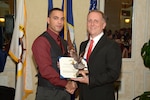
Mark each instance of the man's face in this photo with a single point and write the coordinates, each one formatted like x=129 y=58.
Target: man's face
x=56 y=21
x=95 y=23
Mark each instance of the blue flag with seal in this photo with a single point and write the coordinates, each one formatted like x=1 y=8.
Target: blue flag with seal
x=93 y=5
x=3 y=56
x=50 y=5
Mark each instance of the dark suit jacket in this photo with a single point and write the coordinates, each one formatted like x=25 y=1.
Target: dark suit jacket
x=104 y=67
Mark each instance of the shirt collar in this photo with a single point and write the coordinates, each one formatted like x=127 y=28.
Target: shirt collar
x=97 y=38
x=54 y=35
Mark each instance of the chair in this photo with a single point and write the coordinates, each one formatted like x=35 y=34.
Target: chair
x=7 y=93
x=117 y=85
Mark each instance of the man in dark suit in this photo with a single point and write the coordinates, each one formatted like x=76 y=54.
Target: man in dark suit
x=104 y=62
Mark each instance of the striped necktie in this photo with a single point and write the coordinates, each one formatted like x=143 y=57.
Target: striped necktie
x=89 y=50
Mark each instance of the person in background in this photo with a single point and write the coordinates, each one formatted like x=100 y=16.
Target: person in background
x=47 y=48
x=104 y=62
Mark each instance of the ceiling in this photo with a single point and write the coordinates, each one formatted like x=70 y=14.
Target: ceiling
x=6 y=1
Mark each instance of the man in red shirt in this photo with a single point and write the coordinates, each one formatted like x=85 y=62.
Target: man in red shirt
x=47 y=48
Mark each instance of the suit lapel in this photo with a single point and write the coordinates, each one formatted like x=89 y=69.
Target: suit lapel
x=98 y=47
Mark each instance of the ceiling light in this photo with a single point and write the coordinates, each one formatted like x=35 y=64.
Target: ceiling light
x=2 y=20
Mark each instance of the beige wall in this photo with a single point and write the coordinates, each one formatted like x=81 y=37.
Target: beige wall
x=135 y=77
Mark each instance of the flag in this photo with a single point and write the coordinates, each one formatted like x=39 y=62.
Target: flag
x=3 y=56
x=68 y=32
x=50 y=5
x=18 y=52
x=93 y=5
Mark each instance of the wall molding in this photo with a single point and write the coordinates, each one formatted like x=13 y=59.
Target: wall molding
x=146 y=79
x=125 y=87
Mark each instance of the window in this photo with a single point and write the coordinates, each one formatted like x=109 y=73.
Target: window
x=119 y=23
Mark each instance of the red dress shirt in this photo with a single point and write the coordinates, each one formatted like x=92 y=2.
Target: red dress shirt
x=41 y=52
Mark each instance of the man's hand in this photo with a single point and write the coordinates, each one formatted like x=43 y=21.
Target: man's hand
x=71 y=87
x=84 y=78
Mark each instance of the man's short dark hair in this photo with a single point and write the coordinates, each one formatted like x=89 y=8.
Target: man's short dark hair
x=54 y=9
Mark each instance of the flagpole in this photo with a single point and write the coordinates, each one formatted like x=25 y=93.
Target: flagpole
x=16 y=75
x=65 y=20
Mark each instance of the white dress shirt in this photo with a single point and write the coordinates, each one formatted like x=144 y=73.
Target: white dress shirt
x=95 y=39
